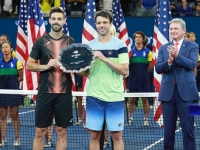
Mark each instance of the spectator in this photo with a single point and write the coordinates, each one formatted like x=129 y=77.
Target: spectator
x=9 y=8
x=76 y=5
x=4 y=38
x=197 y=10
x=49 y=135
x=146 y=8
x=197 y=2
x=46 y=6
x=174 y=9
x=151 y=75
x=192 y=38
x=11 y=74
x=186 y=36
x=184 y=9
x=138 y=80
x=80 y=100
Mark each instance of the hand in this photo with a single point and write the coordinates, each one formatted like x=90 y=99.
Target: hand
x=170 y=60
x=99 y=55
x=53 y=63
x=172 y=51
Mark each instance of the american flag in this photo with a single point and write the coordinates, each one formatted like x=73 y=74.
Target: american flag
x=120 y=25
x=89 y=27
x=27 y=34
x=89 y=30
x=65 y=27
x=21 y=46
x=160 y=37
x=66 y=31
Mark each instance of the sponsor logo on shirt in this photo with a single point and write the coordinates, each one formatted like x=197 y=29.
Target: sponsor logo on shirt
x=109 y=52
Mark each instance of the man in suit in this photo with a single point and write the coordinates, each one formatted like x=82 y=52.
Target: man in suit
x=178 y=85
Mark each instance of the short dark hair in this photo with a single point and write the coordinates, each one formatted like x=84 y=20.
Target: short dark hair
x=8 y=43
x=104 y=13
x=5 y=36
x=56 y=10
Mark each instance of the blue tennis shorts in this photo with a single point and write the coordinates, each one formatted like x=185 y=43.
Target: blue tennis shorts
x=98 y=110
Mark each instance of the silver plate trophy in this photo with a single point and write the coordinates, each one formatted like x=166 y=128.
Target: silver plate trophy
x=76 y=58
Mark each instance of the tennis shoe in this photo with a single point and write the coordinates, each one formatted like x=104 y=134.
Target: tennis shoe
x=106 y=144
x=48 y=144
x=17 y=142
x=130 y=120
x=3 y=143
x=146 y=122
x=80 y=121
x=9 y=120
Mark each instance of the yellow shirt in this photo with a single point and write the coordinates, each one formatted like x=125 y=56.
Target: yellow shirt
x=45 y=6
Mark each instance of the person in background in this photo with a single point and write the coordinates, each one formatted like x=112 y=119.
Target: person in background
x=192 y=38
x=9 y=8
x=176 y=62
x=197 y=10
x=186 y=36
x=79 y=98
x=11 y=74
x=184 y=9
x=197 y=2
x=4 y=38
x=49 y=135
x=174 y=9
x=138 y=80
x=47 y=4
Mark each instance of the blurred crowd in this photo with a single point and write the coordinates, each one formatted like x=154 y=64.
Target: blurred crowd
x=131 y=8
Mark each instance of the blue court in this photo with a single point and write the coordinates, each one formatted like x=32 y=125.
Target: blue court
x=136 y=136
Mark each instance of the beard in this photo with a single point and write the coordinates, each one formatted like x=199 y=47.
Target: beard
x=57 y=29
